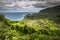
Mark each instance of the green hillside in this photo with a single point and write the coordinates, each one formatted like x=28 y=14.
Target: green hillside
x=53 y=12
x=44 y=25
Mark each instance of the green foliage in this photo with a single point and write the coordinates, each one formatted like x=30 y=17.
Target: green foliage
x=26 y=29
x=43 y=29
x=44 y=26
x=1 y=17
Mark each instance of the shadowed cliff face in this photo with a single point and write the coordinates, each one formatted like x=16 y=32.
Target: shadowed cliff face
x=51 y=10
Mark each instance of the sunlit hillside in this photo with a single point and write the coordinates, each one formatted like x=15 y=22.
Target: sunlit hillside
x=44 y=25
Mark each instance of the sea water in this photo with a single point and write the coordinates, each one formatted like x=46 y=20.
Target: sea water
x=15 y=15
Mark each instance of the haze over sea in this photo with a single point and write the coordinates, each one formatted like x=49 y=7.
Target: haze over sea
x=15 y=15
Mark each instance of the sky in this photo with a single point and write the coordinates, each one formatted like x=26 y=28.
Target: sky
x=27 y=5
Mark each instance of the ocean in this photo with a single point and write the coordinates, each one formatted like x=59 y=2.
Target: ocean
x=15 y=16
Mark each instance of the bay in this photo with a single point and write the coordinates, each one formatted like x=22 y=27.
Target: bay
x=15 y=15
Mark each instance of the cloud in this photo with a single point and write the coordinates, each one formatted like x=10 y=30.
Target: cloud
x=46 y=3
x=38 y=3
x=27 y=4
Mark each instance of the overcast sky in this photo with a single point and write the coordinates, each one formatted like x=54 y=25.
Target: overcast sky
x=27 y=5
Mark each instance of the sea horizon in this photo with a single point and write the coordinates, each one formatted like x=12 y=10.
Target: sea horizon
x=15 y=16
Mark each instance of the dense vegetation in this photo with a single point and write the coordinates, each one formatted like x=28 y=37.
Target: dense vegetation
x=40 y=26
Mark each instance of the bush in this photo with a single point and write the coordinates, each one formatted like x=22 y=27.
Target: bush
x=26 y=29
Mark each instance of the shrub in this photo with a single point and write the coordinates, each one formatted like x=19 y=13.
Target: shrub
x=26 y=29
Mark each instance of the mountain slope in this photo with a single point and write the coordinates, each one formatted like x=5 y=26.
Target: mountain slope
x=52 y=12
x=52 y=9
x=43 y=29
